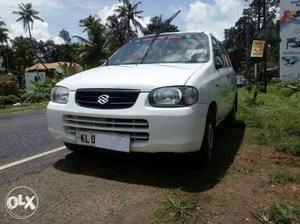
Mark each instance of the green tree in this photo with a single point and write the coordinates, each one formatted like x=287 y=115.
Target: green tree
x=128 y=14
x=3 y=32
x=88 y=22
x=92 y=50
x=115 y=35
x=27 y=16
x=48 y=51
x=65 y=35
x=4 y=50
x=158 y=25
x=24 y=52
x=235 y=37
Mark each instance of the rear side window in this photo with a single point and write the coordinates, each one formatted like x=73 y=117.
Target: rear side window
x=226 y=59
x=218 y=54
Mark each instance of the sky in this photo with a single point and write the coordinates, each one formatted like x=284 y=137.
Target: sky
x=197 y=15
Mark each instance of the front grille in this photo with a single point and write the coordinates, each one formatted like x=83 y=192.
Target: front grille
x=138 y=129
x=114 y=99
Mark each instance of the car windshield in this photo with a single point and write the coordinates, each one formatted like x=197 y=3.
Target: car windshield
x=168 y=48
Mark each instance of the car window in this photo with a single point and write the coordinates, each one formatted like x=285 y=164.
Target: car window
x=218 y=55
x=226 y=58
x=167 y=48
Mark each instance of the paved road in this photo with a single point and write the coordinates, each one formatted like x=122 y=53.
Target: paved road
x=101 y=186
x=24 y=134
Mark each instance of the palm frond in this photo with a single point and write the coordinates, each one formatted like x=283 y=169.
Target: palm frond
x=81 y=39
x=37 y=18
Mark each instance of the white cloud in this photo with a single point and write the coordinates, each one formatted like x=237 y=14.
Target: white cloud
x=8 y=6
x=58 y=40
x=106 y=11
x=212 y=17
x=145 y=20
x=39 y=31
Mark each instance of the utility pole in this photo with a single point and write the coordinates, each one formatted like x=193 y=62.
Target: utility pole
x=266 y=47
x=248 y=62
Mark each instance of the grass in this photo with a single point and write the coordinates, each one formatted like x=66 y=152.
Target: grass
x=273 y=119
x=176 y=209
x=278 y=214
x=283 y=176
x=237 y=170
x=24 y=107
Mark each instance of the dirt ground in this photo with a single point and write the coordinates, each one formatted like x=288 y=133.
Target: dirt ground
x=116 y=188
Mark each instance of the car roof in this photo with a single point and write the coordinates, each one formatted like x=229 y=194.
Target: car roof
x=182 y=32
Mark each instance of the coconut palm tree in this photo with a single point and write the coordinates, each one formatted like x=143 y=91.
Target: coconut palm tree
x=92 y=49
x=128 y=14
x=116 y=36
x=88 y=22
x=4 y=38
x=27 y=16
x=3 y=32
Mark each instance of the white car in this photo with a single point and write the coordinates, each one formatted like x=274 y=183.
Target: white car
x=163 y=93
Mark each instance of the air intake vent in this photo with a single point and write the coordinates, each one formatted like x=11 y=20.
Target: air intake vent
x=106 y=98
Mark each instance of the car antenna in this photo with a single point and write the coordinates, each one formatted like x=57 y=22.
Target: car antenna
x=167 y=22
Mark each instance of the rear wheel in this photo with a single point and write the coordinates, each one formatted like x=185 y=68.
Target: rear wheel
x=231 y=117
x=208 y=144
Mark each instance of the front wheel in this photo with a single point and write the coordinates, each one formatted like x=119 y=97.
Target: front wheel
x=208 y=144
x=231 y=117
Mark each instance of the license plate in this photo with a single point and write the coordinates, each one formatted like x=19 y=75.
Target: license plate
x=112 y=141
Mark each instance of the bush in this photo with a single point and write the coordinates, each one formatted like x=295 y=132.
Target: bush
x=290 y=146
x=9 y=100
x=283 y=176
x=285 y=89
x=278 y=214
x=273 y=119
x=11 y=88
x=40 y=93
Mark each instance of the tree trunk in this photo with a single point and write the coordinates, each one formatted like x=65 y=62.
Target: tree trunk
x=29 y=31
x=7 y=49
x=40 y=60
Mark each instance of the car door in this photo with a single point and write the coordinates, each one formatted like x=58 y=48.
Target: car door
x=229 y=81
x=222 y=79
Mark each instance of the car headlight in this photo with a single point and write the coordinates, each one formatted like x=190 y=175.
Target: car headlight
x=174 y=96
x=60 y=94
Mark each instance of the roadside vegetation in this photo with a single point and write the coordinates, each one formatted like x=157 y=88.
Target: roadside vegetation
x=284 y=176
x=267 y=163
x=23 y=107
x=278 y=214
x=176 y=209
x=273 y=119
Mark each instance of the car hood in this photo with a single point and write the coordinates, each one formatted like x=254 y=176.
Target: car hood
x=144 y=77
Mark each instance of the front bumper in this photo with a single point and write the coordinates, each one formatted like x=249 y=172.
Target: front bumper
x=176 y=130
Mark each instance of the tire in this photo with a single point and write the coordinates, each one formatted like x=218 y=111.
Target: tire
x=208 y=143
x=74 y=148
x=231 y=117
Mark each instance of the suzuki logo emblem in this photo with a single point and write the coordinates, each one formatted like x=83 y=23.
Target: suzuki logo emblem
x=103 y=99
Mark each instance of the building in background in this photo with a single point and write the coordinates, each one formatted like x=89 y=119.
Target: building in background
x=39 y=73
x=290 y=40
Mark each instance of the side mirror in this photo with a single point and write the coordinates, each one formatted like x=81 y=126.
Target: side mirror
x=218 y=63
x=105 y=62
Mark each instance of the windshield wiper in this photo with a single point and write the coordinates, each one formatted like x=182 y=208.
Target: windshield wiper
x=167 y=22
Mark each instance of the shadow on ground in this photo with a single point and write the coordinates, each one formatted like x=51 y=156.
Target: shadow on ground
x=184 y=171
